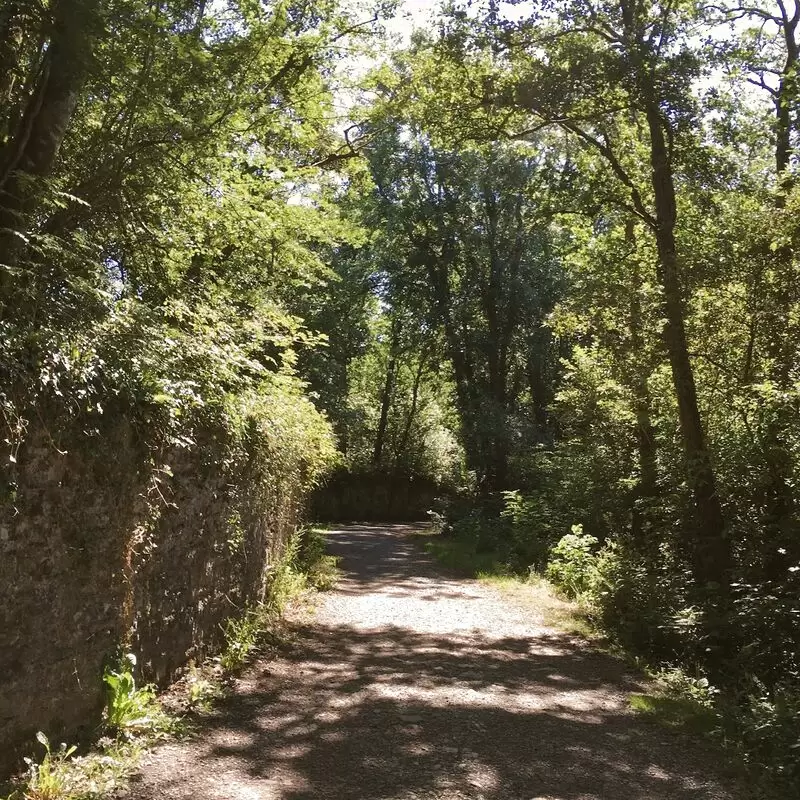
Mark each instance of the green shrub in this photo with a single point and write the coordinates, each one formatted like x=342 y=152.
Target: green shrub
x=765 y=725
x=573 y=563
x=128 y=709
x=531 y=528
x=641 y=600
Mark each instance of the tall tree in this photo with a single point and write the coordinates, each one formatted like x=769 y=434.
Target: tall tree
x=55 y=87
x=622 y=62
x=476 y=241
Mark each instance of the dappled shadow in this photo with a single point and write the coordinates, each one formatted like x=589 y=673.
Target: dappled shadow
x=372 y=707
x=491 y=721
x=374 y=558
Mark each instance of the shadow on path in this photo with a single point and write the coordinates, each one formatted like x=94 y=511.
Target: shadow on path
x=411 y=684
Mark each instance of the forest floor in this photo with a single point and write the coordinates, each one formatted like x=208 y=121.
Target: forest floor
x=406 y=682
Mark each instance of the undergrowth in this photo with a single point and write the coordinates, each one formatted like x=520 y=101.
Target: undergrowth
x=134 y=720
x=304 y=565
x=572 y=590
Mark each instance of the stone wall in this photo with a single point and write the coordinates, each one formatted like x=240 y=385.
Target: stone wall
x=104 y=547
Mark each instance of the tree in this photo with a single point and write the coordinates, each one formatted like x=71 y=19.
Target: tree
x=470 y=235
x=626 y=62
x=768 y=53
x=54 y=83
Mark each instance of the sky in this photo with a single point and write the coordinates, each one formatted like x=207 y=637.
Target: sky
x=412 y=14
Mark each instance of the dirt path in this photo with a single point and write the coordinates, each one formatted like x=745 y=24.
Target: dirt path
x=407 y=684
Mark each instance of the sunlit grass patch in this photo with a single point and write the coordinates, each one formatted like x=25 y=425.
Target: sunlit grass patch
x=536 y=594
x=533 y=591
x=463 y=556
x=681 y=713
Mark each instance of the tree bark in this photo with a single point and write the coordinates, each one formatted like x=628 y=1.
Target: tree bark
x=402 y=447
x=711 y=550
x=11 y=31
x=783 y=548
x=645 y=433
x=784 y=98
x=387 y=394
x=31 y=153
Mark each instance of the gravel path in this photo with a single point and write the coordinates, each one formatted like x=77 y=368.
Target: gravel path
x=406 y=683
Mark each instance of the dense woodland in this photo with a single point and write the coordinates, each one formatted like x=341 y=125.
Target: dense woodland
x=544 y=255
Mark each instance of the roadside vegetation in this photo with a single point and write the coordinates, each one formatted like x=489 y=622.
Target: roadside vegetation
x=569 y=595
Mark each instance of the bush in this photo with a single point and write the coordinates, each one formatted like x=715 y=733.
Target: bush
x=764 y=724
x=531 y=528
x=573 y=563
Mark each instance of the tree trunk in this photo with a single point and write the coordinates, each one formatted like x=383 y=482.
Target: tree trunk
x=501 y=309
x=31 y=152
x=645 y=433
x=711 y=550
x=11 y=31
x=540 y=382
x=402 y=448
x=783 y=546
x=387 y=394
x=785 y=97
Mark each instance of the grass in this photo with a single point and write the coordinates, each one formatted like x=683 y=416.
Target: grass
x=462 y=555
x=541 y=598
x=531 y=590
x=681 y=713
x=320 y=569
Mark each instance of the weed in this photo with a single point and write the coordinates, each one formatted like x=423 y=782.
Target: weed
x=321 y=570
x=241 y=637
x=437 y=522
x=130 y=710
x=288 y=578
x=48 y=779
x=200 y=691
x=684 y=713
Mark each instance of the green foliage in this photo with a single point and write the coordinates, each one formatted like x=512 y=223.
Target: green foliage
x=763 y=726
x=62 y=775
x=485 y=299
x=534 y=527
x=303 y=564
x=242 y=635
x=320 y=569
x=47 y=780
x=573 y=563
x=202 y=691
x=682 y=713
x=131 y=710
